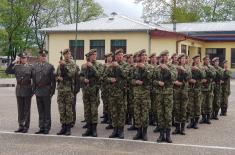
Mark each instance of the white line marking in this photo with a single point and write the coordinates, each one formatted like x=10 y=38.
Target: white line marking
x=127 y=140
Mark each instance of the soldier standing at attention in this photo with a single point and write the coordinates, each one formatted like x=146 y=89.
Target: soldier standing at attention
x=66 y=81
x=141 y=87
x=217 y=88
x=116 y=76
x=225 y=89
x=23 y=73
x=195 y=92
x=44 y=88
x=164 y=77
x=90 y=77
x=207 y=91
x=181 y=95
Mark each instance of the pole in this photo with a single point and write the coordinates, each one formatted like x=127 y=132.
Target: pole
x=76 y=36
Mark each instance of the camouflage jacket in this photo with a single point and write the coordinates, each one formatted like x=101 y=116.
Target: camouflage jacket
x=226 y=81
x=197 y=75
x=209 y=76
x=183 y=76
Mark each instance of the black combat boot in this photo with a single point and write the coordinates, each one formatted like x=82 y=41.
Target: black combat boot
x=105 y=119
x=156 y=129
x=85 y=126
x=94 y=130
x=168 y=136
x=132 y=127
x=68 y=130
x=144 y=134
x=208 y=119
x=195 y=125
x=151 y=121
x=88 y=131
x=121 y=133
x=138 y=134
x=41 y=131
x=114 y=133
x=203 y=120
x=128 y=119
x=191 y=124
x=177 y=129
x=20 y=129
x=63 y=130
x=216 y=115
x=161 y=138
x=182 y=129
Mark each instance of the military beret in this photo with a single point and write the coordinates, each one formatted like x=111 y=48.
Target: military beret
x=43 y=52
x=180 y=56
x=215 y=59
x=108 y=55
x=207 y=56
x=173 y=55
x=22 y=55
x=65 y=51
x=125 y=55
x=92 y=51
x=152 y=55
x=196 y=56
x=120 y=50
x=142 y=51
x=225 y=61
x=136 y=54
x=165 y=52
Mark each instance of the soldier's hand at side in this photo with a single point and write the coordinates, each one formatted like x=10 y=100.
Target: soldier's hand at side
x=113 y=80
x=161 y=83
x=141 y=65
x=195 y=68
x=206 y=68
x=164 y=66
x=60 y=78
x=86 y=81
x=192 y=81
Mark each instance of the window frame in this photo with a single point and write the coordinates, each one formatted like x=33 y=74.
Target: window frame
x=99 y=48
x=80 y=49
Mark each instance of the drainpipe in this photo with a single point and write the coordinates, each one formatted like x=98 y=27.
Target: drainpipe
x=149 y=42
x=177 y=43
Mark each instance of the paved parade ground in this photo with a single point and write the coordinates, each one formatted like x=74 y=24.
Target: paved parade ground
x=217 y=138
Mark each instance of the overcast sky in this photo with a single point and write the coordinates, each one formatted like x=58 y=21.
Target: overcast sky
x=123 y=7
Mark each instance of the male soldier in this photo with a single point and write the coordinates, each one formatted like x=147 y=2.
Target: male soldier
x=164 y=77
x=23 y=74
x=117 y=77
x=217 y=88
x=181 y=95
x=89 y=77
x=225 y=89
x=105 y=91
x=195 y=92
x=66 y=80
x=44 y=88
x=141 y=87
x=207 y=91
x=152 y=113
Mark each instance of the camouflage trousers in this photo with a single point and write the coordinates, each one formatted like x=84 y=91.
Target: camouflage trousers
x=130 y=102
x=224 y=101
x=90 y=100
x=155 y=106
x=165 y=110
x=141 y=107
x=118 y=111
x=216 y=99
x=153 y=111
x=65 y=105
x=104 y=97
x=194 y=103
x=180 y=105
x=206 y=107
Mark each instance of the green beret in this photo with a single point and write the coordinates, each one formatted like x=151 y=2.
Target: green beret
x=215 y=59
x=120 y=50
x=65 y=51
x=180 y=56
x=143 y=51
x=173 y=55
x=196 y=56
x=207 y=56
x=92 y=51
x=108 y=55
x=165 y=52
x=152 y=55
x=22 y=55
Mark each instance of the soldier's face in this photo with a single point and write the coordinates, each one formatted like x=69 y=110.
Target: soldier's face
x=174 y=59
x=226 y=65
x=182 y=60
x=143 y=57
x=42 y=58
x=153 y=59
x=23 y=60
x=217 y=62
x=197 y=60
x=67 y=56
x=93 y=57
x=206 y=61
x=130 y=60
x=165 y=58
x=119 y=57
x=109 y=59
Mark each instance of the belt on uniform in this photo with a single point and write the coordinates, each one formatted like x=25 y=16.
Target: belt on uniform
x=42 y=84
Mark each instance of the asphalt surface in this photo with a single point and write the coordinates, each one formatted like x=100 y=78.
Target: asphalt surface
x=217 y=138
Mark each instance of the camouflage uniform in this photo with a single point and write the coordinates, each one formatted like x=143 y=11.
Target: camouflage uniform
x=90 y=93
x=24 y=93
x=225 y=92
x=65 y=97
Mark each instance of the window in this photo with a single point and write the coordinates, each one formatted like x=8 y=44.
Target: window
x=116 y=44
x=99 y=45
x=216 y=52
x=79 y=55
x=183 y=49
x=233 y=58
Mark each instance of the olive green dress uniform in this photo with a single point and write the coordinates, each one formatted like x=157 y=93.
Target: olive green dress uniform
x=44 y=88
x=24 y=92
x=225 y=91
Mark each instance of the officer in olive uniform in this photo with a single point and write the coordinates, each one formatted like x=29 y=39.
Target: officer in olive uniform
x=66 y=80
x=44 y=88
x=24 y=93
x=90 y=78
